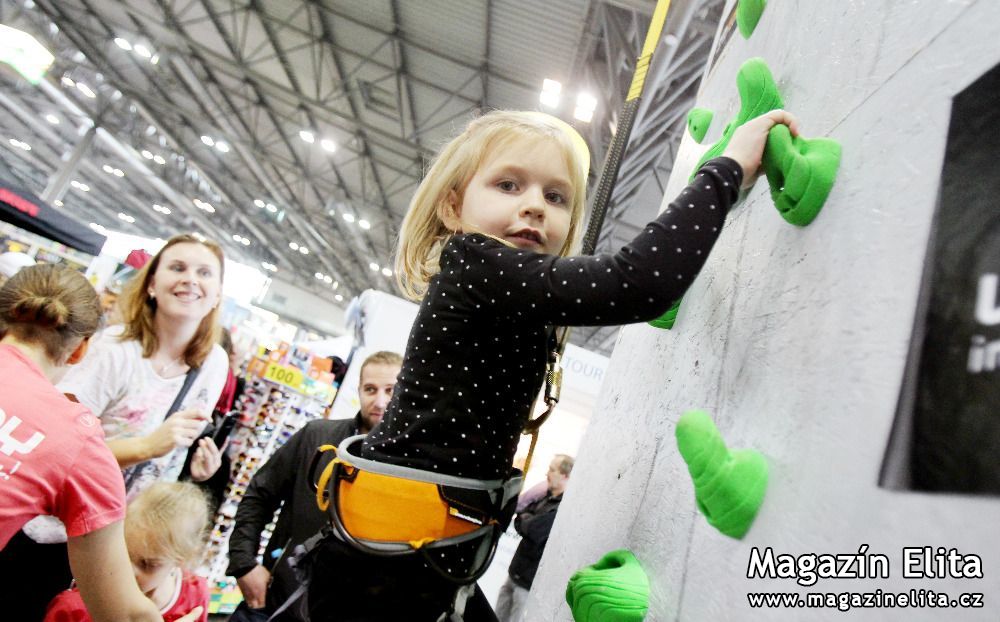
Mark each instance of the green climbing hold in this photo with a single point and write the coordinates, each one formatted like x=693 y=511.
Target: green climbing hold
x=758 y=94
x=748 y=13
x=729 y=486
x=699 y=120
x=666 y=321
x=615 y=589
x=800 y=172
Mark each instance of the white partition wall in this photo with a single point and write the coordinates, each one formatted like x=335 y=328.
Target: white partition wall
x=797 y=340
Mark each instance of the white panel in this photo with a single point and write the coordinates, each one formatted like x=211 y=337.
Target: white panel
x=795 y=339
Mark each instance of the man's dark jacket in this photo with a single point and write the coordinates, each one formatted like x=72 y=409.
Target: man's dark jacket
x=284 y=478
x=534 y=525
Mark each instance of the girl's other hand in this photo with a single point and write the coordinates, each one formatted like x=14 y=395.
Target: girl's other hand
x=747 y=144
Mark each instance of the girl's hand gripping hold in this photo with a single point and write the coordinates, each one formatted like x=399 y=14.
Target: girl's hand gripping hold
x=747 y=144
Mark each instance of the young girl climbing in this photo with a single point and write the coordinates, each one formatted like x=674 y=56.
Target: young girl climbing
x=486 y=247
x=165 y=529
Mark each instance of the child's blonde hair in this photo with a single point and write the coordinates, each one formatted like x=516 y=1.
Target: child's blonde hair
x=169 y=520
x=424 y=233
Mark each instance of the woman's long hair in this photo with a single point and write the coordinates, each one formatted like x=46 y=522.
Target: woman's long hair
x=139 y=310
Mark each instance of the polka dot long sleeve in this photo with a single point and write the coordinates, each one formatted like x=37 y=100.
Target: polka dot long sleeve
x=475 y=359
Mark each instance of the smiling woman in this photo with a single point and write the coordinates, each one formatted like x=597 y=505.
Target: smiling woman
x=153 y=381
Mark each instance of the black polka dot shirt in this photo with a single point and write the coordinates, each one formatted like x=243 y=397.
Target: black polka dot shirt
x=476 y=355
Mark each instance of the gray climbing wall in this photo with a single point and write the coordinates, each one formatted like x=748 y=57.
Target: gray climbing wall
x=797 y=340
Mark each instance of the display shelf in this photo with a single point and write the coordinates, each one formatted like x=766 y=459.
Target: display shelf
x=276 y=403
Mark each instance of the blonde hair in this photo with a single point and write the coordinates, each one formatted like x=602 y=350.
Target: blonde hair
x=50 y=305
x=423 y=233
x=138 y=309
x=170 y=520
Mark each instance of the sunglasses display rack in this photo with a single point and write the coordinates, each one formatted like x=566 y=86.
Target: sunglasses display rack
x=270 y=413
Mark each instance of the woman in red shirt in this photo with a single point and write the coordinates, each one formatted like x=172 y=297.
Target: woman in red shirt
x=53 y=459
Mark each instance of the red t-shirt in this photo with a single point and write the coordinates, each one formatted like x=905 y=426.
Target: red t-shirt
x=191 y=592
x=53 y=459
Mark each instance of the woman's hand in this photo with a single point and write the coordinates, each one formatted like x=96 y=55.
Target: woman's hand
x=207 y=459
x=178 y=430
x=747 y=144
x=192 y=616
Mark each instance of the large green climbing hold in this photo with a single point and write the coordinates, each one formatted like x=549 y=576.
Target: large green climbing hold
x=729 y=486
x=758 y=94
x=615 y=589
x=800 y=172
x=699 y=120
x=748 y=13
x=666 y=321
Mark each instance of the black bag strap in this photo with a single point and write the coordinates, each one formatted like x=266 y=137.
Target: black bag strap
x=189 y=379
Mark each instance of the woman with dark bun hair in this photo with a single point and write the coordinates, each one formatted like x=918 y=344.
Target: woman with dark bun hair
x=53 y=459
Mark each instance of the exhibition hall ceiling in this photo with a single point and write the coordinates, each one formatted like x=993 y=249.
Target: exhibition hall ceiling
x=295 y=132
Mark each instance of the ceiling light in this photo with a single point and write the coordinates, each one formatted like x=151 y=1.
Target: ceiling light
x=585 y=106
x=328 y=145
x=67 y=81
x=53 y=119
x=20 y=144
x=550 y=93
x=348 y=217
x=236 y=238
x=208 y=141
x=57 y=203
x=107 y=169
x=119 y=173
x=159 y=159
x=307 y=136
x=245 y=241
x=293 y=246
x=328 y=279
x=373 y=266
x=339 y=298
x=336 y=284
x=126 y=217
x=364 y=224
x=387 y=271
x=319 y=275
x=258 y=203
x=271 y=208
x=98 y=228
x=123 y=44
x=303 y=250
x=86 y=90
x=24 y=53
x=155 y=59
x=80 y=186
x=161 y=209
x=269 y=266
x=146 y=153
x=142 y=51
x=221 y=146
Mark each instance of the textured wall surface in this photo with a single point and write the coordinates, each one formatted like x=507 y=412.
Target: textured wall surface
x=795 y=340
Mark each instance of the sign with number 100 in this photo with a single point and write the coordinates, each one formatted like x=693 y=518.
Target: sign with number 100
x=288 y=376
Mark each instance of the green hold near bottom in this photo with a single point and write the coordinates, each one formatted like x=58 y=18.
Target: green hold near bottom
x=801 y=172
x=699 y=120
x=666 y=321
x=729 y=486
x=748 y=13
x=615 y=589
